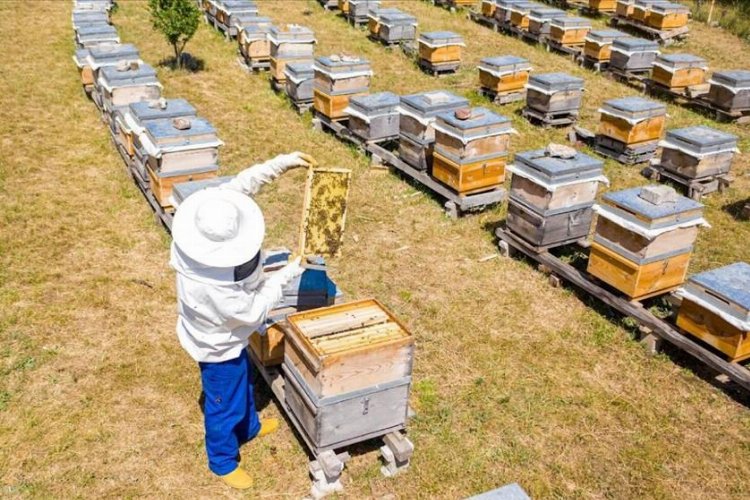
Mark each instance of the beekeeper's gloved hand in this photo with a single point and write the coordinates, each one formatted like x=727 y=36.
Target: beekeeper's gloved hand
x=287 y=273
x=250 y=180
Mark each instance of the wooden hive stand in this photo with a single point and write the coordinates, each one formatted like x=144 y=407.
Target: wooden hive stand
x=694 y=188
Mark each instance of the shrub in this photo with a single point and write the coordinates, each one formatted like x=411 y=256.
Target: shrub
x=177 y=20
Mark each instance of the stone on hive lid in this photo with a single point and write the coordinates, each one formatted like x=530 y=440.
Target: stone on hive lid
x=560 y=151
x=658 y=194
x=181 y=123
x=160 y=103
x=463 y=113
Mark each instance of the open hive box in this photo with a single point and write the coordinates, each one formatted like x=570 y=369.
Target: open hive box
x=348 y=371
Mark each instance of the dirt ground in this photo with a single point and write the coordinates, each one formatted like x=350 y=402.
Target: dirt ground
x=514 y=380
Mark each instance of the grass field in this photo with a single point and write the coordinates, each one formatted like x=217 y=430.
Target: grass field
x=514 y=380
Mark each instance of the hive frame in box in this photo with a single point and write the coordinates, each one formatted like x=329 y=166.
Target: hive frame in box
x=652 y=329
x=664 y=37
x=695 y=188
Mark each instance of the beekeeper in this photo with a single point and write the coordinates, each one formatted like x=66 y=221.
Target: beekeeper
x=222 y=298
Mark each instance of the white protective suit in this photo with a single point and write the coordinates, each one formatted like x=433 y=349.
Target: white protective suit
x=217 y=315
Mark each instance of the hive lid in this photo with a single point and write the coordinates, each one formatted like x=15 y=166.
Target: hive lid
x=731 y=283
x=434 y=102
x=647 y=4
x=80 y=57
x=545 y=13
x=96 y=29
x=114 y=76
x=440 y=38
x=302 y=70
x=667 y=7
x=108 y=52
x=635 y=206
x=634 y=108
x=555 y=82
x=701 y=139
x=732 y=78
x=89 y=24
x=182 y=190
x=553 y=169
x=477 y=118
x=604 y=35
x=291 y=33
x=233 y=6
x=632 y=44
x=152 y=110
x=374 y=103
x=364 y=2
x=253 y=20
x=89 y=15
x=681 y=60
x=342 y=62
x=163 y=131
x=570 y=22
x=505 y=63
x=392 y=17
x=508 y=3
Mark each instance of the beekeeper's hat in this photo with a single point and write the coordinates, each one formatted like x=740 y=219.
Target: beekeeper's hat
x=219 y=227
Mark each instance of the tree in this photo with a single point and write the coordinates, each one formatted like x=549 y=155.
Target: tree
x=177 y=20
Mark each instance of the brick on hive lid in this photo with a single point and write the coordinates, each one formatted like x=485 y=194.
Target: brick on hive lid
x=658 y=194
x=560 y=151
x=463 y=113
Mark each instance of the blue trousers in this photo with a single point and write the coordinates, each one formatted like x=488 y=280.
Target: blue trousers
x=229 y=411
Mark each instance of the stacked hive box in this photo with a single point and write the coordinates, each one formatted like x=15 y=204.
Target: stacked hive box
x=569 y=31
x=300 y=79
x=440 y=51
x=130 y=121
x=633 y=55
x=630 y=128
x=373 y=20
x=360 y=9
x=374 y=118
x=290 y=43
x=698 y=152
x=176 y=150
x=417 y=114
x=668 y=16
x=471 y=149
x=504 y=78
x=254 y=45
x=347 y=372
x=124 y=84
x=242 y=19
x=716 y=309
x=677 y=72
x=625 y=8
x=540 y=19
x=603 y=6
x=84 y=18
x=730 y=90
x=503 y=10
x=89 y=61
x=519 y=14
x=90 y=35
x=392 y=26
x=553 y=96
x=598 y=45
x=644 y=239
x=337 y=78
x=642 y=10
x=230 y=12
x=488 y=8
x=551 y=196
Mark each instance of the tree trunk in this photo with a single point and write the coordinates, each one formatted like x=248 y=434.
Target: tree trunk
x=177 y=54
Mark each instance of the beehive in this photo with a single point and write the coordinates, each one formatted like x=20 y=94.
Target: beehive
x=487 y=8
x=89 y=61
x=633 y=54
x=417 y=113
x=337 y=78
x=395 y=26
x=678 y=71
x=121 y=85
x=252 y=39
x=644 y=239
x=300 y=79
x=83 y=17
x=181 y=191
x=359 y=9
x=625 y=8
x=642 y=10
x=503 y=9
x=667 y=16
x=373 y=20
x=698 y=152
x=440 y=48
x=289 y=43
x=716 y=309
x=131 y=119
x=598 y=44
x=604 y=6
x=569 y=31
x=348 y=370
x=554 y=93
x=374 y=117
x=231 y=14
x=519 y=14
x=730 y=90
x=632 y=120
x=344 y=7
x=90 y=35
x=540 y=18
x=551 y=196
x=504 y=74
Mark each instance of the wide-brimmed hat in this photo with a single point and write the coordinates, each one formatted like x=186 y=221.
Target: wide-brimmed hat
x=219 y=227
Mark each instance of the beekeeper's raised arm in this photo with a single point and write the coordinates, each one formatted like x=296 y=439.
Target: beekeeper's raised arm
x=250 y=180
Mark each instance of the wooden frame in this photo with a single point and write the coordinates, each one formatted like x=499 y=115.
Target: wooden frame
x=324 y=211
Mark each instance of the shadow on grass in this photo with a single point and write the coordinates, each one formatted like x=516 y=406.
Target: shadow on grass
x=190 y=63
x=739 y=210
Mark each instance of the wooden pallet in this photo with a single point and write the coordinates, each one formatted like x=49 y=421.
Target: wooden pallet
x=327 y=465
x=682 y=96
x=340 y=129
x=573 y=52
x=635 y=79
x=437 y=70
x=664 y=37
x=489 y=22
x=624 y=157
x=560 y=119
x=587 y=62
x=253 y=67
x=504 y=97
x=653 y=330
x=695 y=188
x=702 y=103
x=527 y=36
x=302 y=107
x=330 y=5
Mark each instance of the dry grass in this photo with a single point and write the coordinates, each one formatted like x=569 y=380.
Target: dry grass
x=514 y=380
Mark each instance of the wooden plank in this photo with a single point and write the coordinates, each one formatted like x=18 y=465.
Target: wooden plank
x=324 y=211
x=735 y=372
